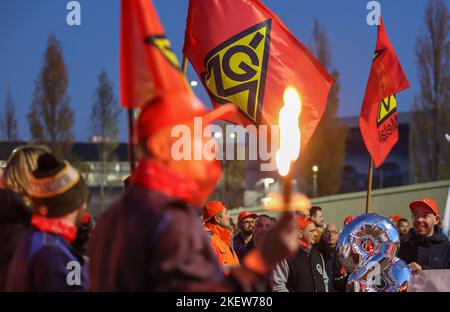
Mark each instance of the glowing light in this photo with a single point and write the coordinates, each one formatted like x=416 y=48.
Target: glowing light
x=194 y=83
x=290 y=135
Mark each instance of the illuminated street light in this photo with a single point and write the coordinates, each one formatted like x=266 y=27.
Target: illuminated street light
x=315 y=170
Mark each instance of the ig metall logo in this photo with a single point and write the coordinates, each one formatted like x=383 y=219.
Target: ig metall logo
x=236 y=69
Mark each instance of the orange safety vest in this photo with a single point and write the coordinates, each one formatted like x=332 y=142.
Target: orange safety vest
x=220 y=240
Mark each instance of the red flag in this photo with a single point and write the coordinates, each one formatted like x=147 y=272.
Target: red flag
x=378 y=119
x=148 y=66
x=245 y=55
x=150 y=77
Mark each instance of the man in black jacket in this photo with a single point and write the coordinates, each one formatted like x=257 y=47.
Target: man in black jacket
x=327 y=247
x=305 y=272
x=425 y=247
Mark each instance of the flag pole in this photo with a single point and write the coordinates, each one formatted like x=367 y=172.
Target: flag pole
x=130 y=139
x=184 y=65
x=369 y=185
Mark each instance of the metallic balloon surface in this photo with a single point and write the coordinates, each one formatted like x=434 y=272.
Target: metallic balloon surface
x=367 y=248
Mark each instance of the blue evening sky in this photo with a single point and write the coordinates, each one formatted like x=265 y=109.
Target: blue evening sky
x=93 y=46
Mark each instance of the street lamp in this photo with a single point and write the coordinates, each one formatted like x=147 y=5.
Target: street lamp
x=315 y=170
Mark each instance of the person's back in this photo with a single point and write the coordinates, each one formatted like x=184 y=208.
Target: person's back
x=45 y=259
x=155 y=244
x=15 y=208
x=14 y=221
x=41 y=264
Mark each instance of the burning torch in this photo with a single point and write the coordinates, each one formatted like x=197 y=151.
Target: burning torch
x=286 y=156
x=290 y=138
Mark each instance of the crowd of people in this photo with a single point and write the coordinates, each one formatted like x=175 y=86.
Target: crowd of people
x=315 y=267
x=161 y=236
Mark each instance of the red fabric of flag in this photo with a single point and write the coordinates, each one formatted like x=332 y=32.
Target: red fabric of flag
x=378 y=120
x=245 y=55
x=148 y=66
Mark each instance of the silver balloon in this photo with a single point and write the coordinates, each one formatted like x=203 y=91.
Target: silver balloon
x=367 y=247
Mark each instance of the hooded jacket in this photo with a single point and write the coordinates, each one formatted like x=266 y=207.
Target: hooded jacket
x=431 y=252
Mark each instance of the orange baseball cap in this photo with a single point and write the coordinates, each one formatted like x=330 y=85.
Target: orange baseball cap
x=303 y=222
x=427 y=203
x=211 y=209
x=348 y=219
x=395 y=218
x=246 y=214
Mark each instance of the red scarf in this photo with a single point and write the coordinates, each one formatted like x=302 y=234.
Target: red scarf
x=304 y=244
x=154 y=176
x=55 y=226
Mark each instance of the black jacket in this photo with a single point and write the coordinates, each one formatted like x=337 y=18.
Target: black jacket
x=331 y=263
x=306 y=271
x=430 y=252
x=14 y=221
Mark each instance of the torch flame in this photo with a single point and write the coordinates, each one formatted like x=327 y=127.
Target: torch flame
x=290 y=135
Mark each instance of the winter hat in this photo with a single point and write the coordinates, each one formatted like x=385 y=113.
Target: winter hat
x=56 y=187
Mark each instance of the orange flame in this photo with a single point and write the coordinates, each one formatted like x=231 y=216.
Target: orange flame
x=290 y=135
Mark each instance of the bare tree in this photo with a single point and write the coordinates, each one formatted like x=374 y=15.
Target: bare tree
x=431 y=118
x=50 y=117
x=105 y=115
x=326 y=149
x=8 y=123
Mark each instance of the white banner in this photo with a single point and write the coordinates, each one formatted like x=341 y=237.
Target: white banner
x=431 y=281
